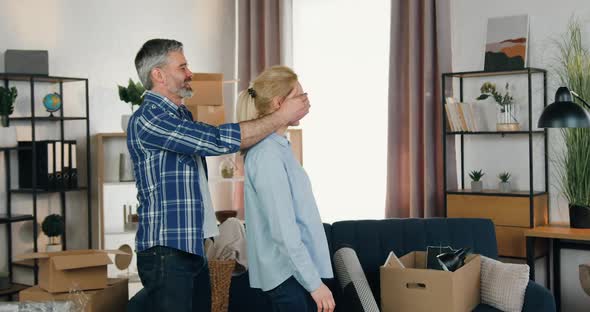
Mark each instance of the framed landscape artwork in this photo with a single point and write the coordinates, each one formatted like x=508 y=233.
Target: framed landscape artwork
x=506 y=43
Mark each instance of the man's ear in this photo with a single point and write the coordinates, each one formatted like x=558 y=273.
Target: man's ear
x=157 y=75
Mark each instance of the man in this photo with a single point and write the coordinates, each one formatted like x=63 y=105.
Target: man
x=168 y=149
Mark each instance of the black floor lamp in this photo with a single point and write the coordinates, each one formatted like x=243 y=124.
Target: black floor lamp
x=564 y=113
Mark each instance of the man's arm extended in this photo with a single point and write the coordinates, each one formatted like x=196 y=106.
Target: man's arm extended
x=293 y=109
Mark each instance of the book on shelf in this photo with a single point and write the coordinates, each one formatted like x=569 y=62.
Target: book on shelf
x=464 y=117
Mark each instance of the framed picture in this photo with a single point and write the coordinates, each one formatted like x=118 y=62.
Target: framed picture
x=506 y=43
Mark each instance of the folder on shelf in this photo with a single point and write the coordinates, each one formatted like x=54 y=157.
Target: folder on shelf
x=66 y=166
x=50 y=165
x=73 y=172
x=58 y=164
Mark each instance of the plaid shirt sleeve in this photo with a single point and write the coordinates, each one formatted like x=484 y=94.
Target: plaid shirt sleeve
x=164 y=130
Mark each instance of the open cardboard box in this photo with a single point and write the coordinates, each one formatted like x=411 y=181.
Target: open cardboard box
x=415 y=288
x=110 y=299
x=73 y=269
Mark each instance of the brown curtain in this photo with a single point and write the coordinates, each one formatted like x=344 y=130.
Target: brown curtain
x=420 y=51
x=264 y=39
x=264 y=35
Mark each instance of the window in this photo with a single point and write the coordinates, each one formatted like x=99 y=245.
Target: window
x=341 y=54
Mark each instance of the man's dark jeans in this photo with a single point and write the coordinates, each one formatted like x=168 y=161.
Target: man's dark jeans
x=290 y=296
x=173 y=280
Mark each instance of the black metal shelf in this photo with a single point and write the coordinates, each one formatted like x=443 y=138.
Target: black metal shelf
x=496 y=193
x=48 y=118
x=15 y=289
x=481 y=73
x=61 y=123
x=15 y=218
x=39 y=78
x=29 y=263
x=494 y=132
x=529 y=134
x=41 y=191
x=16 y=148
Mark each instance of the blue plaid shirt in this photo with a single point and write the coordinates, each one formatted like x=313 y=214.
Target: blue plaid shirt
x=165 y=145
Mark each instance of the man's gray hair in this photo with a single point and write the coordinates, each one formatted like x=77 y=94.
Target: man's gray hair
x=153 y=53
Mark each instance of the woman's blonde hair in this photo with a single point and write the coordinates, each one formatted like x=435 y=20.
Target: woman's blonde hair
x=255 y=102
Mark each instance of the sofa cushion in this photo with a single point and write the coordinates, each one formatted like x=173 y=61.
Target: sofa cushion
x=374 y=239
x=503 y=285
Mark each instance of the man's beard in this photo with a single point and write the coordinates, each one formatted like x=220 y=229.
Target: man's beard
x=185 y=93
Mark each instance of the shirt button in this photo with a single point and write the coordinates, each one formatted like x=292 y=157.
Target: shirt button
x=153 y=106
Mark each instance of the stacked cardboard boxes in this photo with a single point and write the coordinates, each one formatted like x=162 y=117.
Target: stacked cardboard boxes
x=79 y=276
x=206 y=104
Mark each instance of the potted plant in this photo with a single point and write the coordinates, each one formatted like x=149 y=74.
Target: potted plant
x=7 y=133
x=507 y=118
x=476 y=183
x=132 y=94
x=53 y=226
x=572 y=161
x=504 y=182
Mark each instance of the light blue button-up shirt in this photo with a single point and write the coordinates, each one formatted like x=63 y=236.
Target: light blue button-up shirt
x=283 y=226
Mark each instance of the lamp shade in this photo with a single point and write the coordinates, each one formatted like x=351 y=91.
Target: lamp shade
x=564 y=113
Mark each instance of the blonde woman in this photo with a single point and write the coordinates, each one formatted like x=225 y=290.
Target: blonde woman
x=287 y=247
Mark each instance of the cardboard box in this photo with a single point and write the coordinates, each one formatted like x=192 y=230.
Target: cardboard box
x=73 y=269
x=213 y=115
x=26 y=62
x=207 y=90
x=111 y=299
x=416 y=289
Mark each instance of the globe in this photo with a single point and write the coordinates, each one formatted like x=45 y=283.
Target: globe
x=52 y=102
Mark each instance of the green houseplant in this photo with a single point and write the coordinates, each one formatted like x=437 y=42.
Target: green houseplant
x=53 y=226
x=133 y=95
x=504 y=184
x=573 y=161
x=7 y=133
x=476 y=182
x=507 y=118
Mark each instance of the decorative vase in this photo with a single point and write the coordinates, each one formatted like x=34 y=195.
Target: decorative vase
x=125 y=122
x=579 y=216
x=8 y=137
x=227 y=168
x=476 y=186
x=504 y=187
x=585 y=277
x=507 y=118
x=125 y=168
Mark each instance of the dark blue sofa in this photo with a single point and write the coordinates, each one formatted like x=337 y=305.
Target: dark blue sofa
x=374 y=239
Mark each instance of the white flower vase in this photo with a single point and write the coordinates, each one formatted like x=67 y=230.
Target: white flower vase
x=125 y=122
x=8 y=137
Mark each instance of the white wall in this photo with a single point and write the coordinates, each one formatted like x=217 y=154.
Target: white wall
x=341 y=53
x=547 y=20
x=99 y=40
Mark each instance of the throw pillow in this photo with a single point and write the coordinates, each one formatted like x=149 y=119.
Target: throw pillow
x=503 y=284
x=352 y=279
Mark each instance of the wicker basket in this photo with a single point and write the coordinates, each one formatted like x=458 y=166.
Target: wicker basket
x=220 y=272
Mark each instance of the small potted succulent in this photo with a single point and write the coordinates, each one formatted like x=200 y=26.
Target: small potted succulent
x=504 y=182
x=53 y=226
x=476 y=182
x=7 y=133
x=132 y=94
